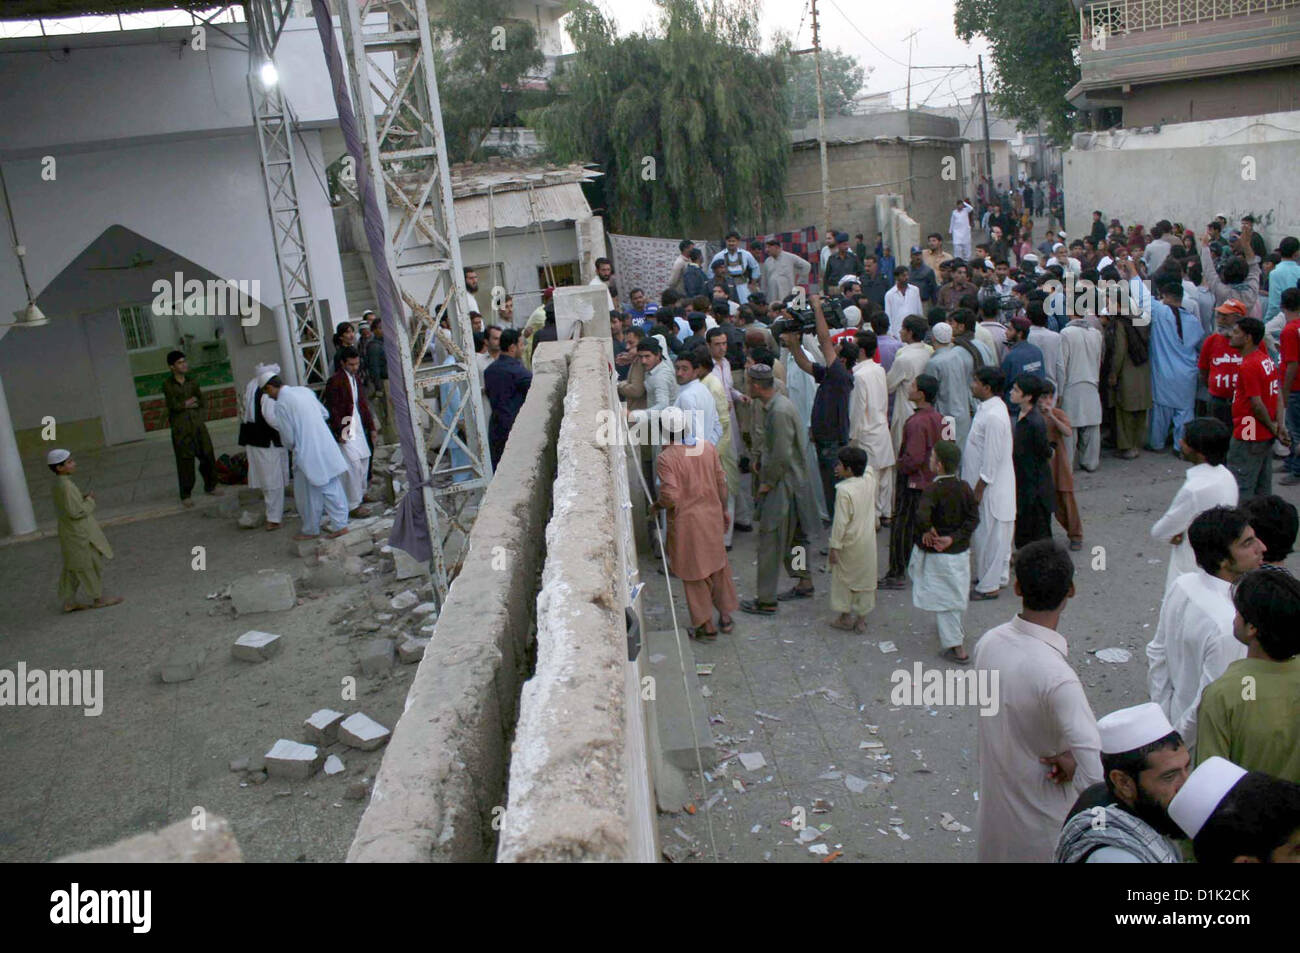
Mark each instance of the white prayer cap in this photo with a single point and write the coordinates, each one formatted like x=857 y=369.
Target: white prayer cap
x=942 y=333
x=733 y=308
x=852 y=316
x=1202 y=792
x=265 y=372
x=663 y=345
x=1057 y=247
x=1061 y=233
x=848 y=280
x=55 y=457
x=1131 y=728
x=1030 y=257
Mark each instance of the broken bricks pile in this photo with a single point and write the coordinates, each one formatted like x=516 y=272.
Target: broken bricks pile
x=328 y=735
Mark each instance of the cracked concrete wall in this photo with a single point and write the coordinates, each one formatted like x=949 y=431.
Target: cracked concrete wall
x=573 y=790
x=444 y=771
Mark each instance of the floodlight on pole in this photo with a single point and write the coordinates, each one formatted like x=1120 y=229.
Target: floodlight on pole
x=270 y=75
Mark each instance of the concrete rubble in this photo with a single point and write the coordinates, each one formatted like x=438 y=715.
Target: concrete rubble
x=183 y=663
x=268 y=590
x=254 y=646
x=377 y=657
x=363 y=732
x=411 y=650
x=322 y=727
x=293 y=760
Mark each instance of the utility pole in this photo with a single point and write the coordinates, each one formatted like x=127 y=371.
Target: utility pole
x=821 y=120
x=907 y=112
x=988 y=150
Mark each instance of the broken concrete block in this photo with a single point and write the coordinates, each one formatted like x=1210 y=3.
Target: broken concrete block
x=293 y=759
x=304 y=548
x=362 y=731
x=268 y=590
x=334 y=765
x=322 y=727
x=411 y=650
x=377 y=657
x=183 y=663
x=406 y=567
x=254 y=646
x=257 y=777
x=239 y=764
x=354 y=566
x=424 y=608
x=404 y=600
x=248 y=520
x=429 y=628
x=358 y=544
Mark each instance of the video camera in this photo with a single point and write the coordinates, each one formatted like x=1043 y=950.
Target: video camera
x=804 y=320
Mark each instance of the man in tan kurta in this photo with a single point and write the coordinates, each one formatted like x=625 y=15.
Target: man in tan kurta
x=83 y=543
x=1039 y=748
x=853 y=542
x=693 y=491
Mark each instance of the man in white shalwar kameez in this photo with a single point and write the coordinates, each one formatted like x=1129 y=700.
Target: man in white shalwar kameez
x=801 y=388
x=1039 y=749
x=268 y=466
x=986 y=465
x=869 y=426
x=318 y=462
x=695 y=401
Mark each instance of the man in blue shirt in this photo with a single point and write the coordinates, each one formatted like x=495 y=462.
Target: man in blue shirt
x=641 y=308
x=1176 y=336
x=1021 y=357
x=1285 y=275
x=506 y=381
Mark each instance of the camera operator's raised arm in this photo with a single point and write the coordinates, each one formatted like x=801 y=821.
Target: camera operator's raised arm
x=823 y=332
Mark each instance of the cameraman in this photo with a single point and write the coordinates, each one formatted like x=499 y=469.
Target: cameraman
x=830 y=410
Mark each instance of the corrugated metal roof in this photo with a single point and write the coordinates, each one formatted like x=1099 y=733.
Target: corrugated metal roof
x=550 y=203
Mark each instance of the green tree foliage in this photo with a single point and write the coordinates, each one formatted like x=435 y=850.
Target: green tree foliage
x=687 y=121
x=1034 y=58
x=483 y=53
x=842 y=79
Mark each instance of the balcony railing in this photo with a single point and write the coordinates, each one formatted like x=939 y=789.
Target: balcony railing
x=1116 y=17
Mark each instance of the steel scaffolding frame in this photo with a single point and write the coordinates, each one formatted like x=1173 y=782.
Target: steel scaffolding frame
x=274 y=121
x=389 y=48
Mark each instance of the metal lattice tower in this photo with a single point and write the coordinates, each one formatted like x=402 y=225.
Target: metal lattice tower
x=275 y=125
x=392 y=69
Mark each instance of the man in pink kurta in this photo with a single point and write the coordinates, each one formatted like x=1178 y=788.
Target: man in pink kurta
x=693 y=491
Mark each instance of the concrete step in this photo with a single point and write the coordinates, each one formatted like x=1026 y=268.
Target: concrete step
x=671 y=713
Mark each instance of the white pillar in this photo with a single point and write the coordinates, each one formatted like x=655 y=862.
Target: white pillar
x=288 y=355
x=13 y=483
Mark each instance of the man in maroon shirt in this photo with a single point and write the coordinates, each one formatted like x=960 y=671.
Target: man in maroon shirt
x=1219 y=361
x=1256 y=399
x=921 y=432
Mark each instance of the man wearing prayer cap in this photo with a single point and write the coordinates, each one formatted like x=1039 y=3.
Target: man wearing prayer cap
x=268 y=461
x=787 y=513
x=1125 y=818
x=1237 y=816
x=80 y=538
x=954 y=367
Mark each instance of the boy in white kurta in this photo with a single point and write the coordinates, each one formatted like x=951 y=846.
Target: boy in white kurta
x=268 y=461
x=853 y=542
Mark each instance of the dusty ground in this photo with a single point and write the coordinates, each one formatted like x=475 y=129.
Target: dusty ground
x=827 y=687
x=158 y=751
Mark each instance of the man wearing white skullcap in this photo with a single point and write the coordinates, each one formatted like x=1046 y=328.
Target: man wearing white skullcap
x=954 y=367
x=1125 y=818
x=1236 y=816
x=83 y=543
x=268 y=461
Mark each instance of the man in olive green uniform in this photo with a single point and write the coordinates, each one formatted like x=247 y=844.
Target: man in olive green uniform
x=787 y=514
x=82 y=541
x=189 y=435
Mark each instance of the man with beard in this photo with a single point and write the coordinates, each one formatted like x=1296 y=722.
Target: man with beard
x=1238 y=816
x=1125 y=818
x=951 y=292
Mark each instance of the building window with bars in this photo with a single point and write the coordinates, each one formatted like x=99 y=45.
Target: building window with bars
x=137 y=327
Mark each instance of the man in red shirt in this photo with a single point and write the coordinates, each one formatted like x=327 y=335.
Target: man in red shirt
x=1290 y=349
x=1219 y=362
x=1256 y=398
x=922 y=431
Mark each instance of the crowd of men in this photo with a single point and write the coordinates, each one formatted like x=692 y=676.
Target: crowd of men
x=945 y=402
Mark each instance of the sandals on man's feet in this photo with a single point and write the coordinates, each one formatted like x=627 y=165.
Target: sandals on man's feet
x=950 y=655
x=754 y=607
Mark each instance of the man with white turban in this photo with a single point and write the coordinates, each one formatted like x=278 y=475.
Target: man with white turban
x=259 y=435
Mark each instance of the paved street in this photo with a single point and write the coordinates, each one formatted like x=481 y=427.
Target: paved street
x=828 y=693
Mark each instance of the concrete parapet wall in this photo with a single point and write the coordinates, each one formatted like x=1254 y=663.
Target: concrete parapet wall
x=569 y=784
x=445 y=768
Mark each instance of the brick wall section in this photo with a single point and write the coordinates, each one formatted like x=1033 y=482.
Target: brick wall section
x=222 y=402
x=444 y=770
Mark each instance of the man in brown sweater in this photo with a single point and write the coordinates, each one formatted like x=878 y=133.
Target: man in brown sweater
x=940 y=569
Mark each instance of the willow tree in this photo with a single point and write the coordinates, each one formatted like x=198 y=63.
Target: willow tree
x=687 y=119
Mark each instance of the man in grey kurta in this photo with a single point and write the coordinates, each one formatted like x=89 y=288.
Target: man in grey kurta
x=954 y=367
x=82 y=542
x=782 y=272
x=787 y=514
x=1081 y=347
